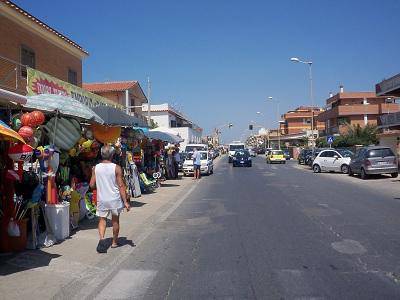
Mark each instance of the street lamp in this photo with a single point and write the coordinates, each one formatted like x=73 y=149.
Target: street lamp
x=309 y=63
x=270 y=98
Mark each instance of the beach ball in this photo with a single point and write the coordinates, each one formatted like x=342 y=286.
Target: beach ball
x=38 y=117
x=26 y=132
x=27 y=119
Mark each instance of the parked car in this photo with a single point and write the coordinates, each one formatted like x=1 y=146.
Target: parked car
x=374 y=160
x=332 y=160
x=242 y=158
x=207 y=166
x=303 y=156
x=275 y=156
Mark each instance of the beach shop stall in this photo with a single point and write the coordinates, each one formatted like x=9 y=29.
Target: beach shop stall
x=49 y=174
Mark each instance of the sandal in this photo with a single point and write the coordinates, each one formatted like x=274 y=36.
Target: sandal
x=101 y=247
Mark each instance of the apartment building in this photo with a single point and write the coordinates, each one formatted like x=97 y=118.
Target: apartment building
x=171 y=120
x=355 y=108
x=128 y=94
x=299 y=120
x=27 y=41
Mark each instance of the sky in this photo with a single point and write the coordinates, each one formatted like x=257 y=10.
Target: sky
x=219 y=61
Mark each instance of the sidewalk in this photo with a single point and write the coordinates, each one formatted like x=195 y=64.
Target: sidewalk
x=74 y=263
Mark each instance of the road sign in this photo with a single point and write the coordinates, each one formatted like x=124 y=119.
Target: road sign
x=330 y=139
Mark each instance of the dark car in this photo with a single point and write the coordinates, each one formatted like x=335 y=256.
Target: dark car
x=260 y=150
x=374 y=160
x=242 y=158
x=304 y=153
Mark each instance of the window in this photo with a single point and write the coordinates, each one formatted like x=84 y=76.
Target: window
x=306 y=121
x=173 y=123
x=328 y=154
x=27 y=59
x=383 y=152
x=72 y=77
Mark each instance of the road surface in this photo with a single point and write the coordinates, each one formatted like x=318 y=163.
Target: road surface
x=268 y=232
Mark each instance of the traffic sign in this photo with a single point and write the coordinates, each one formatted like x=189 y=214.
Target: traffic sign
x=330 y=139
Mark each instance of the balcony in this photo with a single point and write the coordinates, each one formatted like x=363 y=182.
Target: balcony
x=359 y=109
x=10 y=76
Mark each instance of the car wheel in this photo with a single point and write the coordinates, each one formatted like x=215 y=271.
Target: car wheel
x=394 y=175
x=344 y=169
x=363 y=174
x=284 y=162
x=350 y=172
x=316 y=169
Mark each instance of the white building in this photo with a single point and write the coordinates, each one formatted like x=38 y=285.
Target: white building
x=173 y=121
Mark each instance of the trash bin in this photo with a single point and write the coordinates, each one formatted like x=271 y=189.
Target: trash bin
x=58 y=216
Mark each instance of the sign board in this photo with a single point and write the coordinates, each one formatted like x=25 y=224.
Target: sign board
x=330 y=139
x=42 y=83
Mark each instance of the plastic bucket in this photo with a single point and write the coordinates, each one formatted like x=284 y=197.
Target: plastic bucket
x=58 y=216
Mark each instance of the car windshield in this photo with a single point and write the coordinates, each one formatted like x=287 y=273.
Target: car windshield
x=235 y=147
x=277 y=152
x=383 y=152
x=242 y=153
x=345 y=153
x=203 y=156
x=191 y=148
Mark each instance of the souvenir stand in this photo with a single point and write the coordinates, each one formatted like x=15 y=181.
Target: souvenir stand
x=51 y=172
x=13 y=224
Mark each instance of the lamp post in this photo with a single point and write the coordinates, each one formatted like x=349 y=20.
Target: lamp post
x=270 y=98
x=309 y=63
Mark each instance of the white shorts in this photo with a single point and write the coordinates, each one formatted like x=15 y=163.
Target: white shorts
x=106 y=213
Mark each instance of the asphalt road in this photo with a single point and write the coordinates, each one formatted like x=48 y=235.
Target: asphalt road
x=268 y=232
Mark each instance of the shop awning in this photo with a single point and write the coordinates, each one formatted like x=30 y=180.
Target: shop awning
x=163 y=136
x=7 y=134
x=64 y=105
x=7 y=97
x=114 y=116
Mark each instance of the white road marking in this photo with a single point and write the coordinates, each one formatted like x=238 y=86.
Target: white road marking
x=128 y=284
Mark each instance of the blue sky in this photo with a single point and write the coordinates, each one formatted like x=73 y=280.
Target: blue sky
x=220 y=60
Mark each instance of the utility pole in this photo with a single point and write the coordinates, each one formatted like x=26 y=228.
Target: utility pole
x=148 y=101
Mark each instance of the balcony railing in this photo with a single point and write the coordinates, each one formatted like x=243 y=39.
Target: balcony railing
x=10 y=76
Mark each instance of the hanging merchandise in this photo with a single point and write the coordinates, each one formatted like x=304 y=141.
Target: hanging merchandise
x=27 y=119
x=38 y=117
x=26 y=132
x=106 y=134
x=64 y=132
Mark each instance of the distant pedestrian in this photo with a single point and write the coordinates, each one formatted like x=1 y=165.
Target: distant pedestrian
x=177 y=158
x=171 y=164
x=196 y=163
x=107 y=178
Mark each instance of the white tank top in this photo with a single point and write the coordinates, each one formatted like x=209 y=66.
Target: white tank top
x=108 y=196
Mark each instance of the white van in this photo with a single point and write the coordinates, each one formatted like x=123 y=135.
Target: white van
x=207 y=166
x=233 y=147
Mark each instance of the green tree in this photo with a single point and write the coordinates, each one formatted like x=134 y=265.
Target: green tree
x=355 y=135
x=153 y=124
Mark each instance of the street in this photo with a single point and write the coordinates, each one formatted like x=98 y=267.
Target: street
x=266 y=232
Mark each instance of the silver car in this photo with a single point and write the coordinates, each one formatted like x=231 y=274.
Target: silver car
x=374 y=160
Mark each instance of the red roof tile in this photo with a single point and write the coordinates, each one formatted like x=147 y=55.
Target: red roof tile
x=116 y=86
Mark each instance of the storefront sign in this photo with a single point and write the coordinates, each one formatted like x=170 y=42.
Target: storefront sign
x=42 y=83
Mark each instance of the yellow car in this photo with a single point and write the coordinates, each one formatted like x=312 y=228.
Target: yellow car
x=275 y=156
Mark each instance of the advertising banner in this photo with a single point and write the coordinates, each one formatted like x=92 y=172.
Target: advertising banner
x=42 y=83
